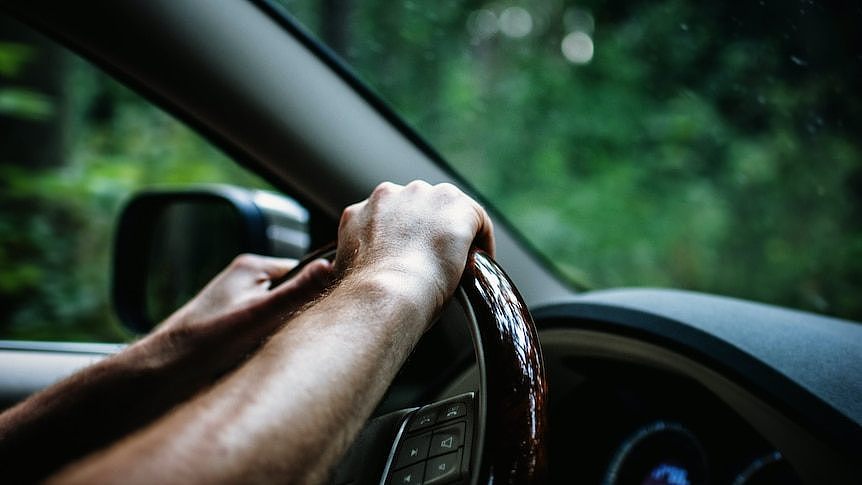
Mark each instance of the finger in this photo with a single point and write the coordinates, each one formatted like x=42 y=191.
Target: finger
x=275 y=268
x=485 y=232
x=484 y=235
x=311 y=280
x=350 y=212
x=265 y=266
x=353 y=217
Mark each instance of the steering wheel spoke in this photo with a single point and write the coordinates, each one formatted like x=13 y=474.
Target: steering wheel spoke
x=434 y=444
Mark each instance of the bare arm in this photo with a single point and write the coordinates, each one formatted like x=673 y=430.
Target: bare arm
x=290 y=412
x=103 y=402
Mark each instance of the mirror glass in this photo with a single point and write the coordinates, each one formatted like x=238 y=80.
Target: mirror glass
x=192 y=240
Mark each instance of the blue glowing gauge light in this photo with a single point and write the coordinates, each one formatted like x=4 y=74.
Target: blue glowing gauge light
x=660 y=453
x=768 y=469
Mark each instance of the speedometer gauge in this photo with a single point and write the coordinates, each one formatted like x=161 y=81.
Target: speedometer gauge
x=660 y=453
x=771 y=468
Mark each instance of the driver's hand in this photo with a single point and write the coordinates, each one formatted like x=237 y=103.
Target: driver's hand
x=237 y=308
x=247 y=281
x=417 y=234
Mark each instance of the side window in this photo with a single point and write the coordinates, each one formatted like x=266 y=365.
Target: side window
x=74 y=145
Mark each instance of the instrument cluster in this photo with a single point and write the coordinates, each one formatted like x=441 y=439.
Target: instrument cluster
x=614 y=423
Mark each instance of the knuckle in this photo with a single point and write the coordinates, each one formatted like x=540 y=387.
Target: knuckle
x=353 y=209
x=448 y=188
x=350 y=213
x=347 y=214
x=384 y=188
x=244 y=261
x=451 y=194
x=417 y=185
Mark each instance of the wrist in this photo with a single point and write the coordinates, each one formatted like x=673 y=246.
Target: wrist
x=416 y=270
x=154 y=352
x=398 y=289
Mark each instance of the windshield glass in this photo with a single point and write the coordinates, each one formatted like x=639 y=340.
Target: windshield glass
x=711 y=146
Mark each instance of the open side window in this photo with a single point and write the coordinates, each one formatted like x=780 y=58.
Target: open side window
x=74 y=146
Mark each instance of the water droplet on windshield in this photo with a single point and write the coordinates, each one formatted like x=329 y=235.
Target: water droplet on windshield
x=799 y=61
x=482 y=25
x=577 y=48
x=516 y=22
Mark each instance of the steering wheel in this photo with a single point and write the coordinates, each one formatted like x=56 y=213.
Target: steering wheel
x=503 y=435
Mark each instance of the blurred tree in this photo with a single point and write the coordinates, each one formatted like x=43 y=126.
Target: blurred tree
x=75 y=145
x=335 y=22
x=708 y=146
x=32 y=101
x=712 y=147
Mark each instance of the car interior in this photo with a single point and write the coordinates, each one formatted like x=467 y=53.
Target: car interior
x=524 y=379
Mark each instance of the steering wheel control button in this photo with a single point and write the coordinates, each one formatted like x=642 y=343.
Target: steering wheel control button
x=409 y=476
x=443 y=468
x=437 y=439
x=413 y=450
x=452 y=411
x=423 y=419
x=447 y=439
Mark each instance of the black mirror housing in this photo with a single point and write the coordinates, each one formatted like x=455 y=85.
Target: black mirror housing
x=169 y=243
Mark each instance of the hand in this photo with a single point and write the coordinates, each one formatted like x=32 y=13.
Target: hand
x=246 y=282
x=238 y=308
x=419 y=234
x=195 y=346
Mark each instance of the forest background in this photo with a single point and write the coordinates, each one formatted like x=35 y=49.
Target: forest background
x=709 y=146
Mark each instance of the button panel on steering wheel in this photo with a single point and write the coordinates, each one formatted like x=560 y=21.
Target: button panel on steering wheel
x=434 y=444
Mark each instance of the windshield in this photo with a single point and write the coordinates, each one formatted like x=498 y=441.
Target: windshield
x=710 y=146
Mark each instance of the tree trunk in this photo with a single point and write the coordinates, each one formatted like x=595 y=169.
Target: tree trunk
x=35 y=140
x=335 y=16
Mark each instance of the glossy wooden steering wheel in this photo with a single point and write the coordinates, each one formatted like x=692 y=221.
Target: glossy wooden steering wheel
x=512 y=402
x=513 y=391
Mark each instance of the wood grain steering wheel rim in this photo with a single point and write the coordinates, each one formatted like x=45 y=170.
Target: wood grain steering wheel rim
x=513 y=390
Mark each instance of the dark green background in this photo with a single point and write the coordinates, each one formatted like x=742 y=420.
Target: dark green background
x=711 y=146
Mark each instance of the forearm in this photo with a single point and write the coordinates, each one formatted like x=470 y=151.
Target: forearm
x=292 y=409
x=100 y=404
x=200 y=342
x=77 y=415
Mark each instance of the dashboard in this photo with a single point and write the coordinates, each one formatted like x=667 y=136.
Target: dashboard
x=653 y=386
x=650 y=386
x=615 y=423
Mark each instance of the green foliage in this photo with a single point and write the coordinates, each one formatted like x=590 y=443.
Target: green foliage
x=57 y=223
x=13 y=57
x=711 y=147
x=17 y=101
x=24 y=103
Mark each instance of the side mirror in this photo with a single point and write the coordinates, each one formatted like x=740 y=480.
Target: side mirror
x=169 y=244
